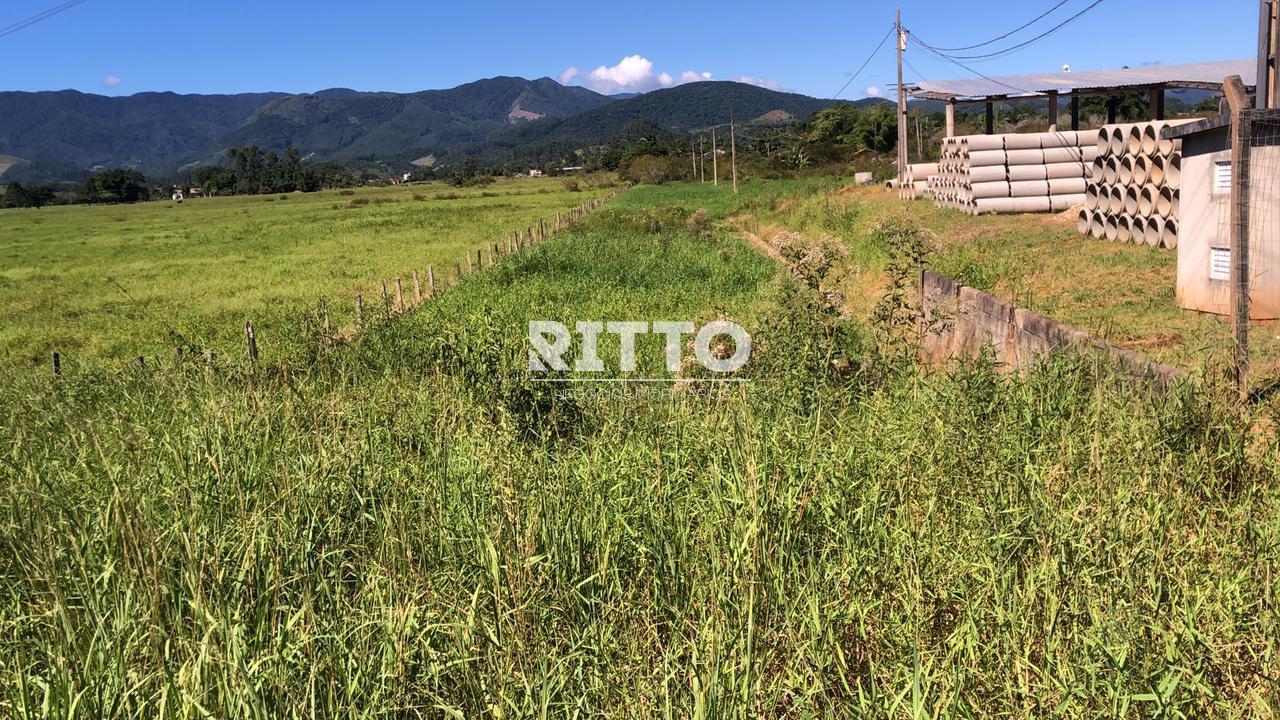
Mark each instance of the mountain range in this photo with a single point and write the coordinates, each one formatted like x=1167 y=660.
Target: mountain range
x=66 y=134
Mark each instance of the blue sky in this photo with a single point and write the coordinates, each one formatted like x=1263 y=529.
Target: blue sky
x=119 y=47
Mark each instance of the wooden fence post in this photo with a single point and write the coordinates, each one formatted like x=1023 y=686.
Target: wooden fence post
x=386 y=296
x=431 y=282
x=251 y=341
x=399 y=296
x=1241 y=131
x=57 y=364
x=457 y=272
x=479 y=264
x=359 y=311
x=417 y=289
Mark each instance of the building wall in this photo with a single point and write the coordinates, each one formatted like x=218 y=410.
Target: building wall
x=1205 y=224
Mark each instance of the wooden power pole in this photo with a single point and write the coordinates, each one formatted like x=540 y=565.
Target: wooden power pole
x=702 y=159
x=715 y=167
x=1241 y=128
x=693 y=157
x=733 y=153
x=902 y=107
x=1266 y=84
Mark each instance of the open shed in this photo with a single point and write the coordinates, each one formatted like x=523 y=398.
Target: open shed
x=1073 y=85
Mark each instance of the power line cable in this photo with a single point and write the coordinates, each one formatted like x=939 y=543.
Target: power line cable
x=912 y=36
x=1014 y=48
x=865 y=63
x=913 y=69
x=1014 y=31
x=22 y=24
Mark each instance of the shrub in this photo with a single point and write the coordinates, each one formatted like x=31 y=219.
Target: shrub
x=653 y=170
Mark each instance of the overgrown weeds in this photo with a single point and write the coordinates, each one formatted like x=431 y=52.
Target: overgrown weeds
x=395 y=526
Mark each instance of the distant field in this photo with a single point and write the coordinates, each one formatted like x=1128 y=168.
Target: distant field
x=113 y=282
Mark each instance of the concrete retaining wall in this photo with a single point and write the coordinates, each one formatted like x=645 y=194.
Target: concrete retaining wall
x=959 y=322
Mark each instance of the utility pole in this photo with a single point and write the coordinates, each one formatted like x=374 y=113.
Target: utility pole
x=1267 y=85
x=702 y=157
x=693 y=157
x=902 y=107
x=715 y=167
x=733 y=152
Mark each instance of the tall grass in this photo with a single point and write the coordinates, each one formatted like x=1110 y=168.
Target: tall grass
x=402 y=528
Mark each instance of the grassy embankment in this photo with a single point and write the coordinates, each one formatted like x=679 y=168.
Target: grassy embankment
x=114 y=282
x=1121 y=292
x=407 y=526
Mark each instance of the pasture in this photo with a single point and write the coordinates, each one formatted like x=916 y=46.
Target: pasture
x=407 y=525
x=114 y=282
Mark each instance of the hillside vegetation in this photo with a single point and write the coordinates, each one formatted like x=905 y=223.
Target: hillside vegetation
x=407 y=525
x=62 y=135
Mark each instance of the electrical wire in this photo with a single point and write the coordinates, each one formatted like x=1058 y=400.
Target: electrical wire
x=1014 y=48
x=912 y=36
x=22 y=24
x=913 y=69
x=883 y=40
x=1014 y=31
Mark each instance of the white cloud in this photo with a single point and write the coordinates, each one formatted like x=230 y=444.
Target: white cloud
x=111 y=80
x=873 y=91
x=761 y=82
x=633 y=73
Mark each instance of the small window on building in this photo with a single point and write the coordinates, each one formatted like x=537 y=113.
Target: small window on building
x=1219 y=263
x=1222 y=177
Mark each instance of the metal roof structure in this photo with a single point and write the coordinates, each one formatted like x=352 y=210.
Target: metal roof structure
x=1204 y=76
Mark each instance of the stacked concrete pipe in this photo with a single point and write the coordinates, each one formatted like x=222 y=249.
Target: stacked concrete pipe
x=1133 y=185
x=1014 y=173
x=917 y=181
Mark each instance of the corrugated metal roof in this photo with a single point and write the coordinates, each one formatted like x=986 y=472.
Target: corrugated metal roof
x=1197 y=75
x=1215 y=122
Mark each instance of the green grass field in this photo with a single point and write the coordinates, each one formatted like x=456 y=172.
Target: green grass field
x=407 y=525
x=115 y=282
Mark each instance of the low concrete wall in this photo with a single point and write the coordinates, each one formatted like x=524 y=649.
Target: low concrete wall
x=959 y=322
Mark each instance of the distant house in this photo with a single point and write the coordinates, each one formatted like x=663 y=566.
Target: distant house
x=535 y=173
x=571 y=168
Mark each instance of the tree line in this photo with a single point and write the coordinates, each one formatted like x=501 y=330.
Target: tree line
x=250 y=171
x=107 y=187
x=253 y=172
